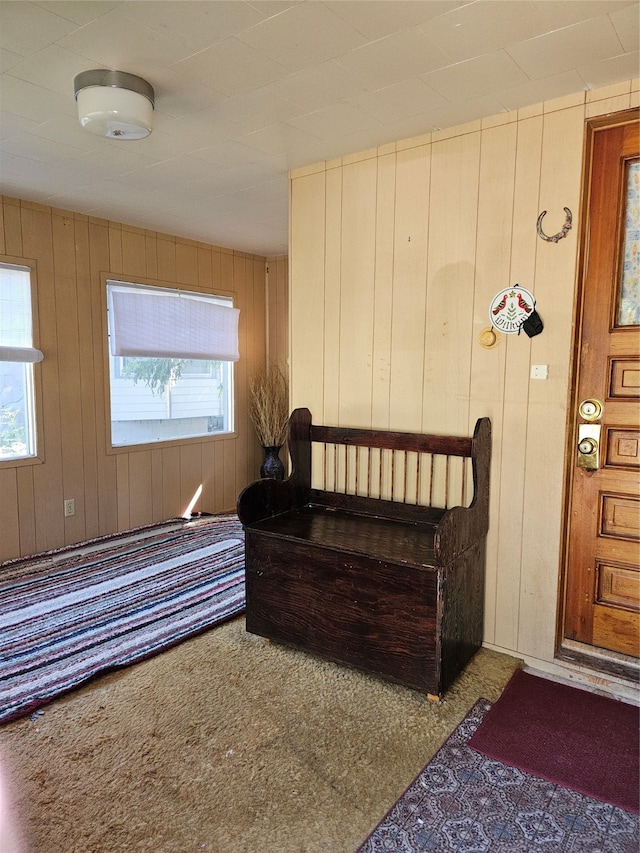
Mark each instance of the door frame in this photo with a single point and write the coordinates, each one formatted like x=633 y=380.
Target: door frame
x=602 y=660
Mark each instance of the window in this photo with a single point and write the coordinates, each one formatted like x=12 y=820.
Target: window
x=171 y=363
x=17 y=357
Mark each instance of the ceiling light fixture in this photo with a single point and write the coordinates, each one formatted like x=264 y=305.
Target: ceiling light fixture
x=114 y=104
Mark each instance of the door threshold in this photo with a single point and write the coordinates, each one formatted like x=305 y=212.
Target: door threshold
x=602 y=660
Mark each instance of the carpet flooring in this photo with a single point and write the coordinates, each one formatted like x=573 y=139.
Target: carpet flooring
x=226 y=743
x=465 y=802
x=69 y=615
x=582 y=740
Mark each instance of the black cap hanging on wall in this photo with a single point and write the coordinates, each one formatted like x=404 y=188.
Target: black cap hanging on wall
x=533 y=325
x=114 y=104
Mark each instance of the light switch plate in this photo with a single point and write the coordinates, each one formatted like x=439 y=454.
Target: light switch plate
x=539 y=371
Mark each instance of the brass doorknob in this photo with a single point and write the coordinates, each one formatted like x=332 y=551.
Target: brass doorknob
x=587 y=446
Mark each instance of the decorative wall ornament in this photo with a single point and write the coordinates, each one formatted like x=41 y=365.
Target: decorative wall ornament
x=511 y=308
x=562 y=233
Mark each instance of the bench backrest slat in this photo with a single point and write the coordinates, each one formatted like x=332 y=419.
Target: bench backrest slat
x=441 y=444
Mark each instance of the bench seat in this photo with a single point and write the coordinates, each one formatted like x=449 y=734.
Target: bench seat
x=388 y=539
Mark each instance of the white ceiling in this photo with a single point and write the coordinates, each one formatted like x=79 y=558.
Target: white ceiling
x=246 y=91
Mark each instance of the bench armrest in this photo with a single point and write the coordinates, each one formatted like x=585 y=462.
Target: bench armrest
x=264 y=499
x=461 y=527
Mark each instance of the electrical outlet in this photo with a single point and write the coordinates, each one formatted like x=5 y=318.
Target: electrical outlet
x=69 y=507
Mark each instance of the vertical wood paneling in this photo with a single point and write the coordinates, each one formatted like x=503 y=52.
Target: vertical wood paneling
x=493 y=268
x=488 y=183
x=262 y=336
x=156 y=483
x=9 y=514
x=357 y=274
x=226 y=272
x=272 y=309
x=115 y=490
x=106 y=464
x=171 y=492
x=209 y=476
x=216 y=270
x=453 y=221
x=9 y=510
x=413 y=174
x=123 y=496
x=140 y=488
x=278 y=312
x=204 y=277
x=217 y=475
x=166 y=258
x=69 y=386
x=151 y=255
x=115 y=248
x=3 y=245
x=88 y=385
x=242 y=283
x=547 y=414
x=26 y=515
x=230 y=493
x=307 y=315
x=12 y=230
x=133 y=247
x=510 y=514
x=37 y=239
x=190 y=474
x=186 y=263
x=383 y=294
x=332 y=298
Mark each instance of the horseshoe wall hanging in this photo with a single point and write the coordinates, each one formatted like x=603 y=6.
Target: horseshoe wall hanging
x=563 y=233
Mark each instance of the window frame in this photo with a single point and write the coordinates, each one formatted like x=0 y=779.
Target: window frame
x=116 y=449
x=37 y=367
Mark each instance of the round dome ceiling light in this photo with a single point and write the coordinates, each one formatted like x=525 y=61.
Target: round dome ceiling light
x=114 y=104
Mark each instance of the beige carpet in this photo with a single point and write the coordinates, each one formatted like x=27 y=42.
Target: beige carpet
x=226 y=743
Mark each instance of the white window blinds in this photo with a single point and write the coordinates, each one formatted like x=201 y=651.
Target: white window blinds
x=156 y=323
x=16 y=334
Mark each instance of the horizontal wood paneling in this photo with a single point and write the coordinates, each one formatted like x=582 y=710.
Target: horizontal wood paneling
x=115 y=491
x=395 y=256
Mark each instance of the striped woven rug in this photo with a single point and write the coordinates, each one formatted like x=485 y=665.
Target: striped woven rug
x=68 y=615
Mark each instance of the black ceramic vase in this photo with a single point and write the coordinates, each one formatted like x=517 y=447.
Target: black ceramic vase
x=272 y=467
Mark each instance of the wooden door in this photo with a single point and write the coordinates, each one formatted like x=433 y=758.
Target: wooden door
x=602 y=563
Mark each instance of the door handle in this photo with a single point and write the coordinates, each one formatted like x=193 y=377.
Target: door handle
x=589 y=446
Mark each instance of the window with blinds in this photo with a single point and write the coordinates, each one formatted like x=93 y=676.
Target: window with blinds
x=171 y=358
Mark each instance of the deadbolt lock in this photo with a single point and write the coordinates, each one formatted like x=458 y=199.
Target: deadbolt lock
x=589 y=446
x=590 y=410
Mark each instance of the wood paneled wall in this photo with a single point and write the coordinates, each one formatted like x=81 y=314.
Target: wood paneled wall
x=278 y=312
x=395 y=256
x=116 y=490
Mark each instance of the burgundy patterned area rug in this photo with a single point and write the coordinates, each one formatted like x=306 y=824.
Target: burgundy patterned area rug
x=71 y=614
x=465 y=802
x=581 y=740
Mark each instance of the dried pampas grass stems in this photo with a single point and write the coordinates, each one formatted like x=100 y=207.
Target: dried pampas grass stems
x=269 y=406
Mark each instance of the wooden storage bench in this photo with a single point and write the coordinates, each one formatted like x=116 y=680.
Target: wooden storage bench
x=364 y=560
